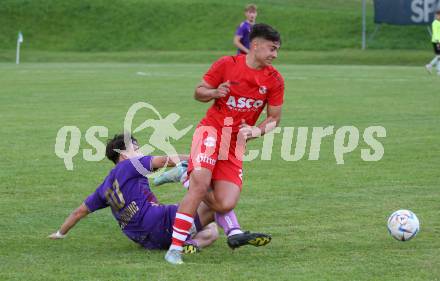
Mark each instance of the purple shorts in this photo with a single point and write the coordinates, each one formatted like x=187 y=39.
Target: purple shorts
x=159 y=238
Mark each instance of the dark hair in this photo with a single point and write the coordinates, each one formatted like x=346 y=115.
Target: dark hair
x=117 y=143
x=265 y=31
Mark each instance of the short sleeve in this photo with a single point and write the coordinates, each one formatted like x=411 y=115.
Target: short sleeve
x=136 y=167
x=276 y=96
x=240 y=30
x=95 y=201
x=215 y=74
x=146 y=162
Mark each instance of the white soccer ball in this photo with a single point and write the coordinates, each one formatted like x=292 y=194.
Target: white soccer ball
x=403 y=225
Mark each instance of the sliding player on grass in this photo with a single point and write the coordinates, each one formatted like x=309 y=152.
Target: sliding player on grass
x=133 y=204
x=240 y=86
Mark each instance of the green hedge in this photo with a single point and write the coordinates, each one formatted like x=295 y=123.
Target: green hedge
x=137 y=25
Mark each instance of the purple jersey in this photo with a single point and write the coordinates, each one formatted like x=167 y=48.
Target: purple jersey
x=134 y=205
x=128 y=194
x=243 y=30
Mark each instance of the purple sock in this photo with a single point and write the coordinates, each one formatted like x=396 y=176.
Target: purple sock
x=228 y=221
x=192 y=242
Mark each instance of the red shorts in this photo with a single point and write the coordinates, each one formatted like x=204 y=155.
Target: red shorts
x=216 y=149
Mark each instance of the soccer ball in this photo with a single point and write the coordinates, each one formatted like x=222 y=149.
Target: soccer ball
x=403 y=225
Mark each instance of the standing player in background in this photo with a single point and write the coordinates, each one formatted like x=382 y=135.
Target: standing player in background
x=240 y=86
x=241 y=38
x=436 y=44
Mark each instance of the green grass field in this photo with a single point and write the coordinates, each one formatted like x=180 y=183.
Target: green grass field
x=328 y=221
x=335 y=57
x=187 y=25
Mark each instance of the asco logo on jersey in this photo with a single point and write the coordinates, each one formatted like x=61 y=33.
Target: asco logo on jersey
x=244 y=103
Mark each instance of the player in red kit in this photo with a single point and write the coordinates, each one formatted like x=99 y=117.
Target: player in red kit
x=241 y=87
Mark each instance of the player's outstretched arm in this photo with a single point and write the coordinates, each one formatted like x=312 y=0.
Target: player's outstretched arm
x=170 y=161
x=205 y=92
x=70 y=222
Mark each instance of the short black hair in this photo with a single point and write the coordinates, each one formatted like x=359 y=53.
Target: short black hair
x=117 y=143
x=265 y=31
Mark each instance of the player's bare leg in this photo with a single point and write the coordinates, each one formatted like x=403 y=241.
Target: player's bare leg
x=223 y=200
x=223 y=197
x=200 y=180
x=206 y=214
x=204 y=238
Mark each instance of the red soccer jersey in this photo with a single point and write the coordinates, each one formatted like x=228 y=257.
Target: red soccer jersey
x=250 y=90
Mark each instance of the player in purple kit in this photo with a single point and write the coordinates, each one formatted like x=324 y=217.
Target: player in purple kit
x=241 y=38
x=135 y=207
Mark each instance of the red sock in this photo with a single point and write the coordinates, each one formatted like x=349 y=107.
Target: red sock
x=181 y=228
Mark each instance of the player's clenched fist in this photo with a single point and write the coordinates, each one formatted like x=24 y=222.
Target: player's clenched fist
x=222 y=90
x=248 y=132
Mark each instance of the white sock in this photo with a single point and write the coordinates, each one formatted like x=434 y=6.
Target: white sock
x=235 y=231
x=434 y=61
x=178 y=248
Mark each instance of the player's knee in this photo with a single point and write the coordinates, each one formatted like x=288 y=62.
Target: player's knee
x=199 y=184
x=225 y=206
